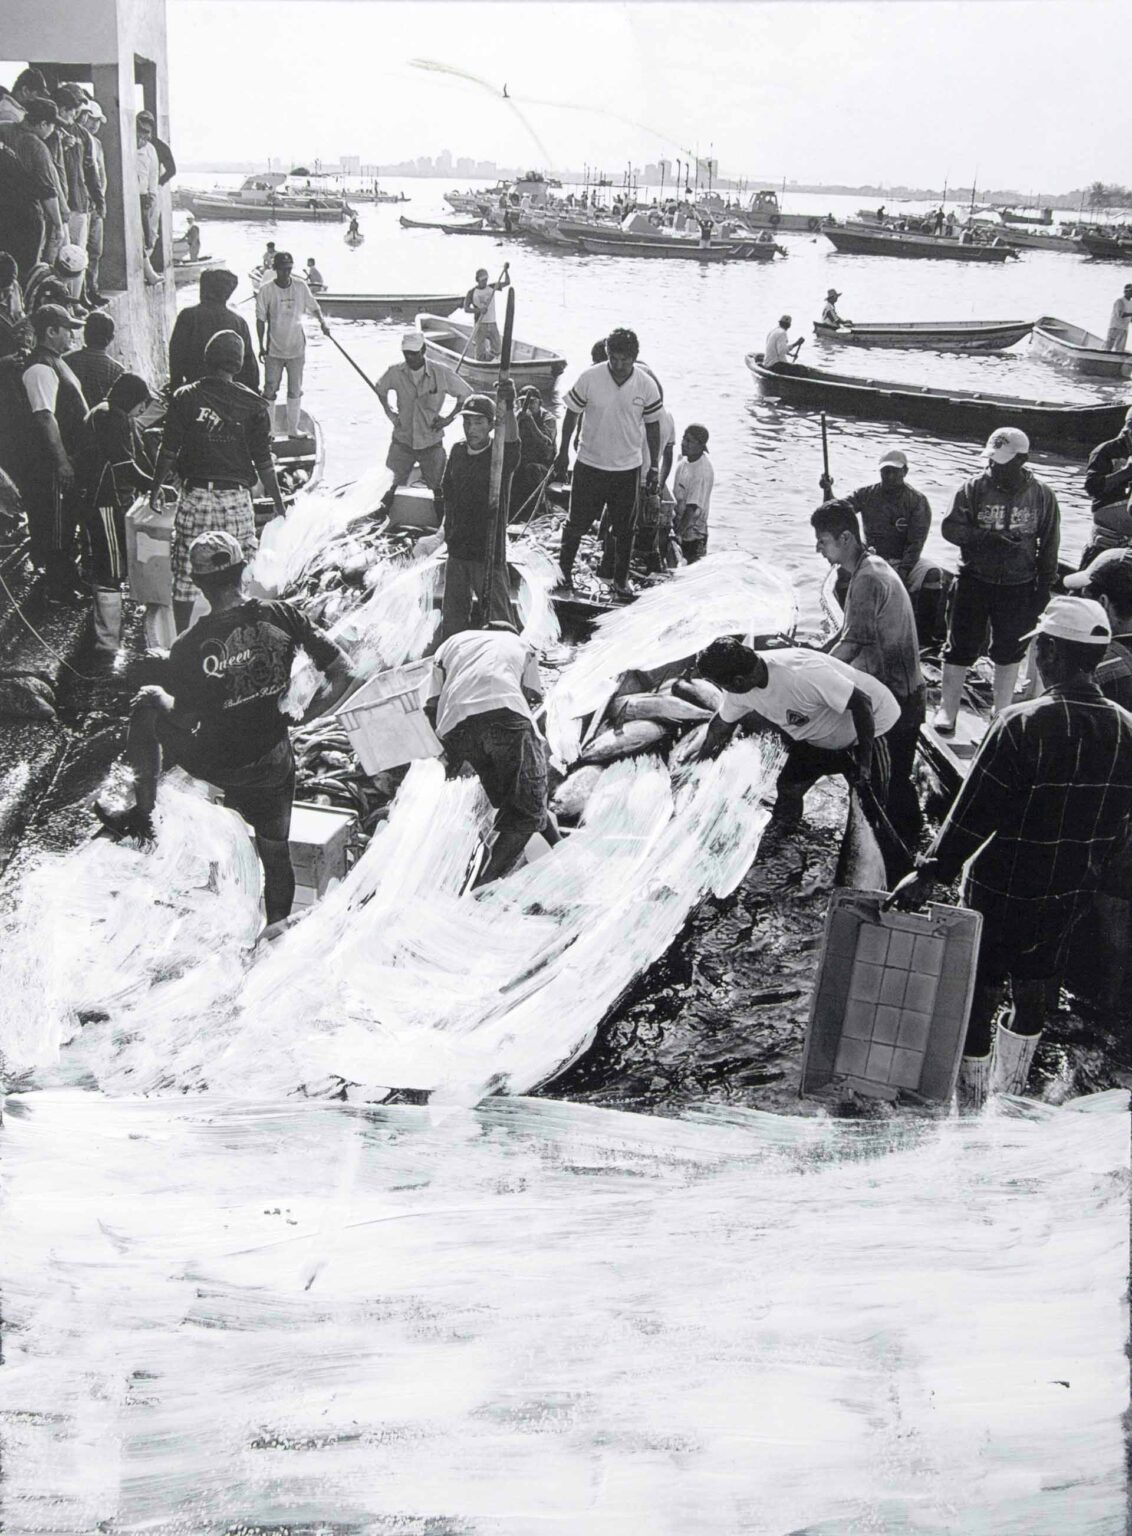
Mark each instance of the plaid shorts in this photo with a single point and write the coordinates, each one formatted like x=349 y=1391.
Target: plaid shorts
x=200 y=511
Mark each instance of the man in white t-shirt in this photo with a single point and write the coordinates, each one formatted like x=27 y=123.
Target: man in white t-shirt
x=484 y=683
x=779 y=348
x=1116 y=339
x=692 y=487
x=613 y=400
x=279 y=309
x=833 y=717
x=480 y=302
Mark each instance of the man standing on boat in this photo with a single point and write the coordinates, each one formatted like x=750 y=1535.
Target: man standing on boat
x=779 y=348
x=1042 y=811
x=1007 y=526
x=195 y=326
x=279 y=310
x=421 y=387
x=1118 y=321
x=613 y=400
x=1108 y=481
x=896 y=519
x=480 y=302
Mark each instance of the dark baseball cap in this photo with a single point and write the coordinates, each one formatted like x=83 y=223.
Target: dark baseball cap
x=40 y=110
x=48 y=316
x=479 y=405
x=68 y=96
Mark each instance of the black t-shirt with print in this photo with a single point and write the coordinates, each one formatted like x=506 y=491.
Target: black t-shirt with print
x=229 y=671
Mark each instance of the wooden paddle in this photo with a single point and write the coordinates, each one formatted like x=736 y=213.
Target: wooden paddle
x=497 y=508
x=826 y=481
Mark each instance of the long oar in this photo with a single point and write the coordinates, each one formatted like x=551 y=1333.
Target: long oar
x=331 y=336
x=496 y=505
x=826 y=481
x=479 y=322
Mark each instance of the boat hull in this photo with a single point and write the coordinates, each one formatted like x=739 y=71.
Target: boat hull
x=387 y=306
x=1070 y=245
x=676 y=250
x=446 y=340
x=462 y=229
x=306 y=451
x=860 y=242
x=965 y=336
x=1071 y=347
x=1102 y=249
x=1070 y=430
x=186 y=272
x=261 y=213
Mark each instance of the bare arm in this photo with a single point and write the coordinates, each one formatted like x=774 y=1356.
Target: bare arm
x=569 y=423
x=339 y=680
x=861 y=711
x=652 y=437
x=50 y=429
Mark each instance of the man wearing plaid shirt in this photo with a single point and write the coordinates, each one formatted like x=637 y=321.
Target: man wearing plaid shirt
x=1046 y=804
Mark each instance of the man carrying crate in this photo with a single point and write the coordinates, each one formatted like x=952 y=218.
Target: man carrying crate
x=218 y=716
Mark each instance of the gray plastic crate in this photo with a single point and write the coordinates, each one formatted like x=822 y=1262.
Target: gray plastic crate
x=892 y=998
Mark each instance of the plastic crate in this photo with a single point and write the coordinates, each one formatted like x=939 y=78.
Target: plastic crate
x=385 y=718
x=892 y=998
x=149 y=553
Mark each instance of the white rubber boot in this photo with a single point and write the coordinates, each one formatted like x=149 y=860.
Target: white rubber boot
x=951 y=693
x=107 y=614
x=973 y=1086
x=160 y=628
x=293 y=409
x=1004 y=681
x=1013 y=1055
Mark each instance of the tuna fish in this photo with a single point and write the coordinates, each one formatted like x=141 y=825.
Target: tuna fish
x=636 y=736
x=697 y=690
x=572 y=796
x=685 y=752
x=665 y=707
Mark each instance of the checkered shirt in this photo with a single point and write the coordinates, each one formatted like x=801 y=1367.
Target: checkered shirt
x=200 y=511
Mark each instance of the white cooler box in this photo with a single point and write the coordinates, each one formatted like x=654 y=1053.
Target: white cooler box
x=385 y=719
x=319 y=835
x=149 y=553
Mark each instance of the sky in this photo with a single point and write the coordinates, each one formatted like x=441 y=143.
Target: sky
x=1014 y=93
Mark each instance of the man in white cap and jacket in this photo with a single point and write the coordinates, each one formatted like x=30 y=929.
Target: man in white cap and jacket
x=421 y=387
x=1043 y=810
x=1007 y=526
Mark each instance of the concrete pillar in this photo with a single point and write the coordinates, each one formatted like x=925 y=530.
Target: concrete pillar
x=113 y=46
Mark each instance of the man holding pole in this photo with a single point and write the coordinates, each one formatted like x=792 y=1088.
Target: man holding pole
x=279 y=309
x=480 y=302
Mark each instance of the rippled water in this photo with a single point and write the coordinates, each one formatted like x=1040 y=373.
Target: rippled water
x=695 y=326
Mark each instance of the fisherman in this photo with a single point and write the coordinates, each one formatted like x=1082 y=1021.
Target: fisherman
x=192 y=238
x=834 y=719
x=1045 y=804
x=706 y=226
x=878 y=636
x=692 y=487
x=315 y=280
x=829 y=315
x=31 y=198
x=1117 y=337
x=92 y=365
x=1007 y=526
x=279 y=310
x=218 y=716
x=352 y=230
x=475 y=535
x=779 y=348
x=91 y=117
x=267 y=263
x=198 y=323
x=218 y=437
x=538 y=445
x=896 y=519
x=612 y=399
x=111 y=477
x=480 y=302
x=1108 y=481
x=149 y=181
x=421 y=387
x=484 y=685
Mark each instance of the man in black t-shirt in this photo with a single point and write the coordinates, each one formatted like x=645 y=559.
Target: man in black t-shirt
x=218 y=717
x=467 y=527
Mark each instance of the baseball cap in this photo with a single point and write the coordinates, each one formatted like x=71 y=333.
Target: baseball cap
x=895 y=457
x=71 y=259
x=1110 y=573
x=832 y=293
x=478 y=405
x=412 y=341
x=224 y=349
x=40 y=110
x=213 y=552
x=1080 y=619
x=48 y=316
x=92 y=109
x=67 y=96
x=1006 y=444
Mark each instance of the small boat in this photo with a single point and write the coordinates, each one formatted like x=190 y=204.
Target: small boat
x=1102 y=247
x=447 y=341
x=875 y=242
x=447 y=228
x=1010 y=216
x=1037 y=240
x=930 y=335
x=680 y=250
x=186 y=271
x=1052 y=426
x=299 y=461
x=355 y=240
x=387 y=306
x=203 y=208
x=1079 y=349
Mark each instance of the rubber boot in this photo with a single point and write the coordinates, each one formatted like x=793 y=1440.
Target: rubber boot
x=160 y=627
x=974 y=1081
x=107 y=620
x=567 y=553
x=1013 y=1055
x=951 y=693
x=293 y=409
x=1004 y=679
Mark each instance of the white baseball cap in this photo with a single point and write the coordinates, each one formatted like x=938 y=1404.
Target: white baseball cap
x=894 y=456
x=1074 y=618
x=1005 y=444
x=412 y=341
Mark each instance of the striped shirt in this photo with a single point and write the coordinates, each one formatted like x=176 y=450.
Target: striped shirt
x=613 y=415
x=1050 y=794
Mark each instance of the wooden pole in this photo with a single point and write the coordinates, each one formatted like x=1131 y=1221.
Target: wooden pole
x=497 y=506
x=826 y=481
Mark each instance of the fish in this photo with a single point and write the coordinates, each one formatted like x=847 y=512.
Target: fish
x=658 y=706
x=687 y=750
x=697 y=690
x=572 y=795
x=636 y=736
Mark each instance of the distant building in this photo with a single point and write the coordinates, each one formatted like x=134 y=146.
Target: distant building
x=444 y=163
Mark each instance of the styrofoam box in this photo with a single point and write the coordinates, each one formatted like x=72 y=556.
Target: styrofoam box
x=318 y=839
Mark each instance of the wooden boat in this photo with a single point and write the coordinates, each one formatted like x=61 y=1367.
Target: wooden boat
x=446 y=341
x=424 y=224
x=1037 y=240
x=1052 y=426
x=186 y=271
x=299 y=461
x=1079 y=349
x=1103 y=247
x=875 y=242
x=387 y=306
x=204 y=207
x=1008 y=216
x=679 y=250
x=930 y=335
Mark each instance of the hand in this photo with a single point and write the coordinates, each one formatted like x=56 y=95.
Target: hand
x=652 y=480
x=262 y=355
x=325 y=328
x=153 y=697
x=826 y=484
x=505 y=393
x=914 y=889
x=394 y=416
x=562 y=466
x=66 y=474
x=440 y=422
